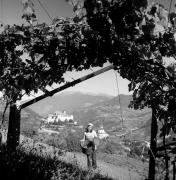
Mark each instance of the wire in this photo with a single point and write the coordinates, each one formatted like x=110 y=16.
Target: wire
x=2 y=11
x=69 y=76
x=121 y=113
x=52 y=87
x=152 y=153
x=91 y=69
x=169 y=11
x=46 y=11
x=128 y=168
x=170 y=7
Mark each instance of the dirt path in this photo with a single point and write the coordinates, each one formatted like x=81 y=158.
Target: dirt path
x=118 y=172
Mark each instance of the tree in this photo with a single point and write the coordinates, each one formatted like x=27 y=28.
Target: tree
x=131 y=34
x=139 y=38
x=34 y=56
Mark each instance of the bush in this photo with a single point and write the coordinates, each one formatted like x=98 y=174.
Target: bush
x=108 y=147
x=31 y=164
x=73 y=142
x=66 y=140
x=57 y=142
x=70 y=141
x=21 y=165
x=29 y=132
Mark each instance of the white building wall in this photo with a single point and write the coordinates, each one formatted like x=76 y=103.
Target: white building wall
x=58 y=116
x=50 y=119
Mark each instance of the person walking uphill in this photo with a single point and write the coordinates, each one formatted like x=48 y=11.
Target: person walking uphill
x=90 y=137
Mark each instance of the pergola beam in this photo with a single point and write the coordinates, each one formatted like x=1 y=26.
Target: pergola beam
x=70 y=84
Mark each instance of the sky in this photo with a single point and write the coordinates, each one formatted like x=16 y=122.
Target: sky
x=104 y=83
x=10 y=13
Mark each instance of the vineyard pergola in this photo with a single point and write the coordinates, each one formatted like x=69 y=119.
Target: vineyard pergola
x=135 y=37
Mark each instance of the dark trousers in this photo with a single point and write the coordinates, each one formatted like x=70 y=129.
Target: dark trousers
x=91 y=160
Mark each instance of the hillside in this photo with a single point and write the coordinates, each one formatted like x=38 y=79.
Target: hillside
x=67 y=101
x=98 y=109
x=30 y=120
x=31 y=116
x=109 y=114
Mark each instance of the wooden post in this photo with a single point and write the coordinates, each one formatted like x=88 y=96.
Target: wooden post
x=13 y=136
x=153 y=142
x=167 y=167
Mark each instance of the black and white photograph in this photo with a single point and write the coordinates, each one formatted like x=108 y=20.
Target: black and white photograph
x=87 y=89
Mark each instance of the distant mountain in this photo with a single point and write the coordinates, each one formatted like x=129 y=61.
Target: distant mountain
x=68 y=101
x=31 y=116
x=122 y=99
x=30 y=120
x=98 y=109
x=115 y=117
x=32 y=113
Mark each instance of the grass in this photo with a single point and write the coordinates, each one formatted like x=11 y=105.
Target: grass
x=69 y=141
x=30 y=163
x=66 y=140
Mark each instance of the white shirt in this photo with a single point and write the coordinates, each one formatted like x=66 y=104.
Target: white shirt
x=90 y=135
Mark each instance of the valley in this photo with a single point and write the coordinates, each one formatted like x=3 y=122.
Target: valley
x=126 y=137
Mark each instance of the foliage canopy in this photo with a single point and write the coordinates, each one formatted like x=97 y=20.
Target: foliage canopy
x=140 y=41
x=135 y=36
